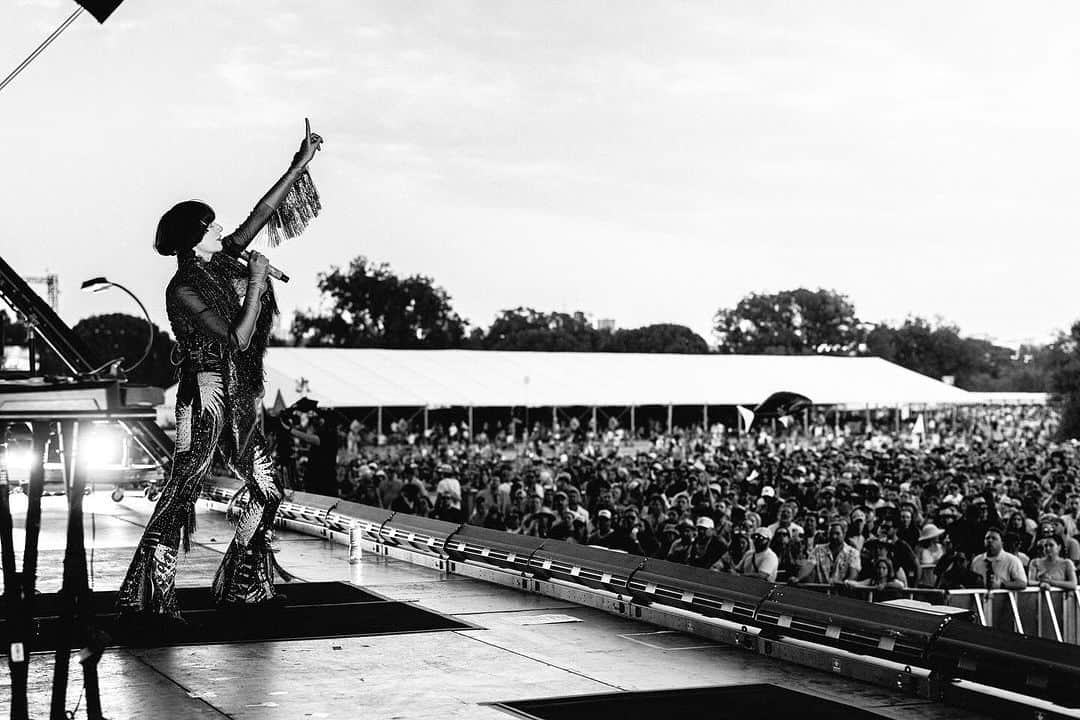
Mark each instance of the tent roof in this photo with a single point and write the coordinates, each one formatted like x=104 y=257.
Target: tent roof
x=453 y=378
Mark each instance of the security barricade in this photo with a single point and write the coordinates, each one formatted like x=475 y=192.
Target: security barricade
x=1052 y=614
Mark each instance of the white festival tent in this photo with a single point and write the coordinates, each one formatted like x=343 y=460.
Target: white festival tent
x=372 y=378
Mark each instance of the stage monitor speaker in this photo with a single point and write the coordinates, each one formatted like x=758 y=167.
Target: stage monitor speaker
x=722 y=595
x=417 y=532
x=494 y=547
x=594 y=567
x=1030 y=665
x=894 y=633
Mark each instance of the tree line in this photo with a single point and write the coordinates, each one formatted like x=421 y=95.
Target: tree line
x=368 y=305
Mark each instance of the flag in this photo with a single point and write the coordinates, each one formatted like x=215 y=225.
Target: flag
x=746 y=415
x=920 y=426
x=778 y=405
x=100 y=9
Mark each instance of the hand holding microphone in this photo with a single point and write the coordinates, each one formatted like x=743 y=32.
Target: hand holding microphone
x=253 y=258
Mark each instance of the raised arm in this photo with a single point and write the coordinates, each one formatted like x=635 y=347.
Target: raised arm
x=237 y=242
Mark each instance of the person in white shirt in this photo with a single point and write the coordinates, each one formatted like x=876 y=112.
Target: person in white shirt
x=997 y=568
x=761 y=561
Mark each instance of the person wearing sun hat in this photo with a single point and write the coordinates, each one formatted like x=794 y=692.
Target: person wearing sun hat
x=928 y=549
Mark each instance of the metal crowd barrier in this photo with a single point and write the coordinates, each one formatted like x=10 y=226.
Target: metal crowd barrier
x=1052 y=614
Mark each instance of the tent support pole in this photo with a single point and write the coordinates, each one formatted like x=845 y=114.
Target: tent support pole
x=705 y=417
x=378 y=424
x=425 y=421
x=633 y=424
x=669 y=419
x=869 y=422
x=806 y=420
x=898 y=418
x=472 y=431
x=595 y=424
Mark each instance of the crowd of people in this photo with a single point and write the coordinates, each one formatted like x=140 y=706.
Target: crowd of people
x=985 y=500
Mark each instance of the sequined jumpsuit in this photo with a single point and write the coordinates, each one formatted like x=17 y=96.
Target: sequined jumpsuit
x=220 y=388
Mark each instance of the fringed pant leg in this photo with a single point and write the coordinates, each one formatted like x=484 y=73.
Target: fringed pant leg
x=246 y=574
x=150 y=583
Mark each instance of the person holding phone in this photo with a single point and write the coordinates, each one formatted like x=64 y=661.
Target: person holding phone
x=221 y=315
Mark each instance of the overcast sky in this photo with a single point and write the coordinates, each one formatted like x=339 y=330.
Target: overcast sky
x=645 y=161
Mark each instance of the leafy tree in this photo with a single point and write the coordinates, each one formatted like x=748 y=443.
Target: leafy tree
x=107 y=337
x=529 y=329
x=1065 y=381
x=938 y=349
x=117 y=335
x=662 y=338
x=791 y=322
x=370 y=306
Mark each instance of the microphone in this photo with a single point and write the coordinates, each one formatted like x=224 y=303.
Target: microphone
x=271 y=270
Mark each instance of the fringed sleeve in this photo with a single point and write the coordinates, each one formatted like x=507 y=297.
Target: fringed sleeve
x=285 y=210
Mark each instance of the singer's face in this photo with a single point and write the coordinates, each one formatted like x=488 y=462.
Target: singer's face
x=211 y=242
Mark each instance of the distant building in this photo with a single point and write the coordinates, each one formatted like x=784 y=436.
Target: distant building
x=606 y=324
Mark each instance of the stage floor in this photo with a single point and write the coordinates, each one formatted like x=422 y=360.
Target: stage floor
x=514 y=654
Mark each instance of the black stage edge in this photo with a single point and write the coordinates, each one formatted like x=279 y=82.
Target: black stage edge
x=726 y=702
x=314 y=610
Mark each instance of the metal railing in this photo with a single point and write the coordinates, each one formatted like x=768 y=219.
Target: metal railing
x=1052 y=614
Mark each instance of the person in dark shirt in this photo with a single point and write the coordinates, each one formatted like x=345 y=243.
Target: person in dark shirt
x=706 y=548
x=901 y=554
x=406 y=501
x=605 y=533
x=954 y=572
x=634 y=536
x=968 y=532
x=680 y=549
x=320 y=475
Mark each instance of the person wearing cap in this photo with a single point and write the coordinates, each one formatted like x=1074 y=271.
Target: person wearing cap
x=707 y=547
x=855 y=535
x=605 y=532
x=832 y=562
x=760 y=561
x=669 y=533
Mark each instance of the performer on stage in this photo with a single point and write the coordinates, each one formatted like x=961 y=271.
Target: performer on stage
x=221 y=315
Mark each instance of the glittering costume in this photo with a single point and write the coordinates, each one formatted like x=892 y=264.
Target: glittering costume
x=220 y=389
